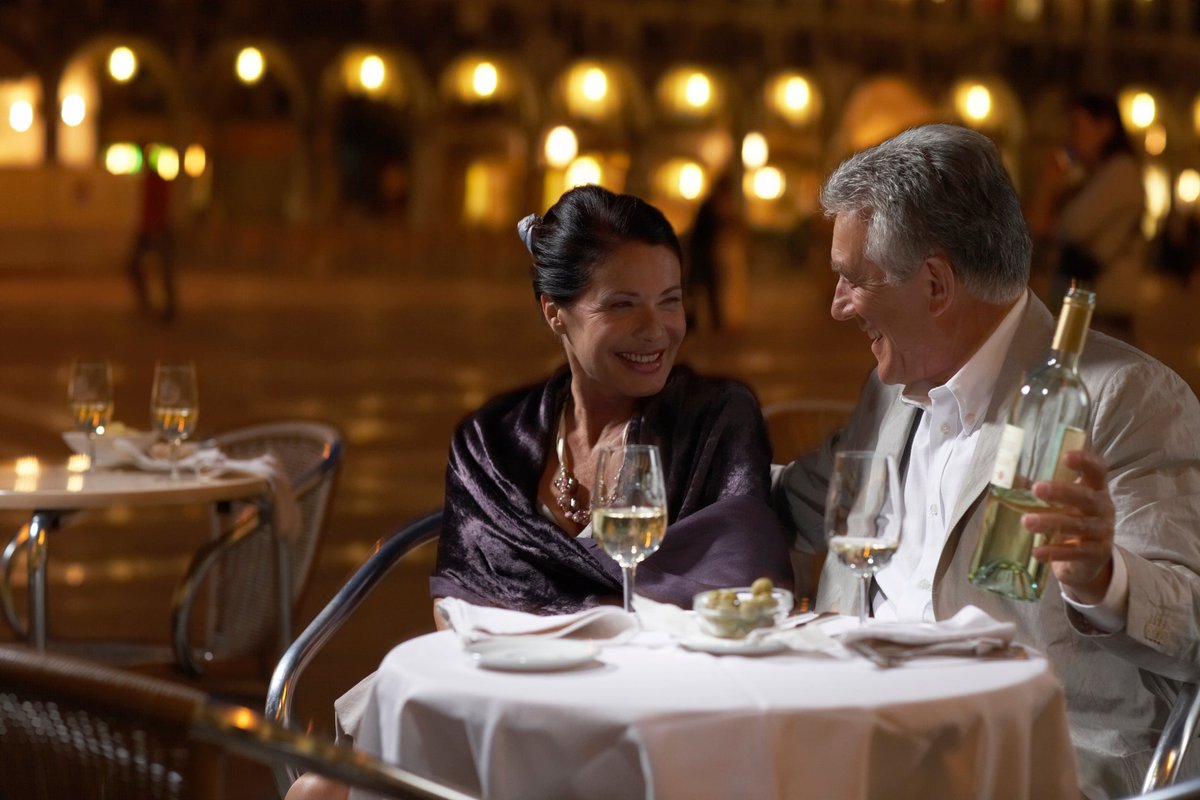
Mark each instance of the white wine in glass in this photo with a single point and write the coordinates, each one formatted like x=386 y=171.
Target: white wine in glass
x=629 y=507
x=174 y=406
x=863 y=515
x=91 y=397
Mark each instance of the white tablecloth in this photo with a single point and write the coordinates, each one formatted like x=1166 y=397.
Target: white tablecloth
x=666 y=723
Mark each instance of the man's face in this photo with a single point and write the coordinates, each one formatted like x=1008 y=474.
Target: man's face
x=896 y=318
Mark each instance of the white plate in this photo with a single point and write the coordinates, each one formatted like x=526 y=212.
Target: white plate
x=733 y=647
x=533 y=654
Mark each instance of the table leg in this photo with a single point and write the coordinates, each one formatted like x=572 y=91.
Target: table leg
x=40 y=524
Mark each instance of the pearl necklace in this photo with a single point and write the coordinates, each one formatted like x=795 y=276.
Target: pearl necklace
x=564 y=484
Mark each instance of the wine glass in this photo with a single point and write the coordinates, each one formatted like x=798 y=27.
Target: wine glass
x=629 y=507
x=863 y=514
x=90 y=393
x=174 y=406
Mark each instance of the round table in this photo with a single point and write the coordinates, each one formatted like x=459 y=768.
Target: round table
x=51 y=491
x=668 y=723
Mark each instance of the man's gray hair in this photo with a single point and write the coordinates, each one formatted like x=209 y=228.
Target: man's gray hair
x=937 y=190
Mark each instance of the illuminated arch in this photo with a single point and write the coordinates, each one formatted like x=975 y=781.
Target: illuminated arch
x=412 y=91
x=633 y=107
x=879 y=108
x=673 y=105
x=217 y=79
x=84 y=72
x=515 y=89
x=1006 y=118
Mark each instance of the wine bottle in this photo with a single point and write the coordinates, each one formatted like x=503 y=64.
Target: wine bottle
x=1047 y=419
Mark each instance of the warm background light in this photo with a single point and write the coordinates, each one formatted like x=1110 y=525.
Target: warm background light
x=796 y=93
x=372 y=73
x=250 y=65
x=194 y=160
x=1157 y=185
x=20 y=116
x=1156 y=139
x=166 y=163
x=1187 y=186
x=584 y=170
x=698 y=90
x=485 y=79
x=691 y=181
x=1142 y=110
x=122 y=64
x=74 y=109
x=595 y=84
x=978 y=103
x=561 y=146
x=754 y=150
x=768 y=183
x=793 y=97
x=123 y=158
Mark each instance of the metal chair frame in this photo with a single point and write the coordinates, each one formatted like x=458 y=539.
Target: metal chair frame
x=282 y=688
x=97 y=731
x=315 y=481
x=1173 y=742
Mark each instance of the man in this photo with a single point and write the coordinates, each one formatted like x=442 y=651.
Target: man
x=931 y=256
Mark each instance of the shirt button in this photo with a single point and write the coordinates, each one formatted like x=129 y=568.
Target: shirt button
x=923 y=585
x=933 y=510
x=945 y=428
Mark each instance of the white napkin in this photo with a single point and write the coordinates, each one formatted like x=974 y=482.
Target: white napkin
x=970 y=632
x=474 y=623
x=209 y=460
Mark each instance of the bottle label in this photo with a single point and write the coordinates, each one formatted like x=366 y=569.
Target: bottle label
x=1069 y=439
x=1007 y=456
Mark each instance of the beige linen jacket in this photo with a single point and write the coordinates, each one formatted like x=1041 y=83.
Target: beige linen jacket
x=1146 y=424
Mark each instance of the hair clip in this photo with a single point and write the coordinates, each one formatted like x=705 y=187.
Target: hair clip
x=525 y=230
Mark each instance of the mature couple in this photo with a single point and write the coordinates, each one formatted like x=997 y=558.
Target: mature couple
x=931 y=256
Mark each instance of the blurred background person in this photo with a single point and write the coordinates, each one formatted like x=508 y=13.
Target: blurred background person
x=152 y=263
x=1088 y=209
x=718 y=269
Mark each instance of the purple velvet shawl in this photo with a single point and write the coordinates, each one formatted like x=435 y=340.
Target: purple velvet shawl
x=496 y=549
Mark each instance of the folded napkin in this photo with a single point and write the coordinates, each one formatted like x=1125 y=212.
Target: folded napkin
x=474 y=623
x=285 y=511
x=970 y=632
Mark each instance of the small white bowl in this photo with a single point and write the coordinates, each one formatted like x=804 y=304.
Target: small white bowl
x=106 y=452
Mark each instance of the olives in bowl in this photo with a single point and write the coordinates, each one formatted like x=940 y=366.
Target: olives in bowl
x=732 y=613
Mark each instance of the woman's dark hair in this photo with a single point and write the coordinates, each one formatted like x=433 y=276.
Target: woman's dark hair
x=582 y=229
x=1103 y=107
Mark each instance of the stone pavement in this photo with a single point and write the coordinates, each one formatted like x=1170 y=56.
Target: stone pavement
x=394 y=363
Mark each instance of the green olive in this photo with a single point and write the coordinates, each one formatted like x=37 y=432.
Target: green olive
x=761 y=586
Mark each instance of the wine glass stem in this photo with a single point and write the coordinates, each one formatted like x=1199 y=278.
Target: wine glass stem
x=174 y=459
x=627 y=574
x=91 y=451
x=864 y=583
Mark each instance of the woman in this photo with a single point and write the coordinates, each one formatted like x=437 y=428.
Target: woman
x=606 y=272
x=1090 y=206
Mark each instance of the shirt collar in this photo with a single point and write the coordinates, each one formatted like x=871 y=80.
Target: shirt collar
x=972 y=386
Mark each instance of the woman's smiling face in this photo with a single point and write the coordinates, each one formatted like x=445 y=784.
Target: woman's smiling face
x=622 y=332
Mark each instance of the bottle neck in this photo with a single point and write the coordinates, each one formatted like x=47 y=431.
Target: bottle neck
x=1073 y=322
x=1067 y=358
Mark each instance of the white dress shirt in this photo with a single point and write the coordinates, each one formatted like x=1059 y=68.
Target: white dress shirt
x=942 y=448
